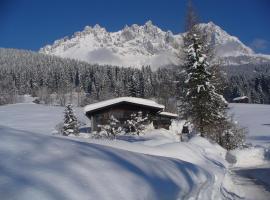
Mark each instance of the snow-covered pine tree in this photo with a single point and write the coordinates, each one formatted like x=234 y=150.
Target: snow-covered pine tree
x=201 y=102
x=110 y=130
x=191 y=16
x=141 y=86
x=203 y=105
x=148 y=88
x=233 y=136
x=136 y=124
x=70 y=122
x=132 y=86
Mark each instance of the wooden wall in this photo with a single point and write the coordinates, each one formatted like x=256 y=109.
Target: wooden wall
x=123 y=112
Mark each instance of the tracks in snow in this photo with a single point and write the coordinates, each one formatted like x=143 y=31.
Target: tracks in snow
x=252 y=183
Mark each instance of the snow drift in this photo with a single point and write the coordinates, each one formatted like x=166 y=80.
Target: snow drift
x=37 y=165
x=43 y=167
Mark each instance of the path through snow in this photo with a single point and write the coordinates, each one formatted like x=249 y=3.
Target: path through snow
x=251 y=177
x=252 y=183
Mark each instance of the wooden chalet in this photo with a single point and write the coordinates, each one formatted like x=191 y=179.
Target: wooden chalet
x=122 y=108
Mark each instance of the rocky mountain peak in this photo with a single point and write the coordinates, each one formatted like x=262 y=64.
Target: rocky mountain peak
x=138 y=45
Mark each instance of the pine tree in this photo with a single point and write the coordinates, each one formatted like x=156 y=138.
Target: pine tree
x=136 y=124
x=233 y=135
x=191 y=16
x=110 y=130
x=141 y=86
x=132 y=86
x=203 y=104
x=70 y=122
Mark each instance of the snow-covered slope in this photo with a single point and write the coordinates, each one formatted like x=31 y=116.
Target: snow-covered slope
x=143 y=45
x=156 y=166
x=225 y=45
x=37 y=165
x=132 y=46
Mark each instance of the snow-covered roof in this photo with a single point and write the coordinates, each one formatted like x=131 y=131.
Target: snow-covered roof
x=132 y=100
x=168 y=114
x=240 y=98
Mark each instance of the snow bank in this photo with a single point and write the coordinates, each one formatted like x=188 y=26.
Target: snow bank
x=36 y=165
x=256 y=117
x=198 y=151
x=35 y=117
x=209 y=147
x=250 y=157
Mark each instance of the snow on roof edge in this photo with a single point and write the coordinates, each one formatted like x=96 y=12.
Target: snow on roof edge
x=168 y=114
x=240 y=98
x=140 y=101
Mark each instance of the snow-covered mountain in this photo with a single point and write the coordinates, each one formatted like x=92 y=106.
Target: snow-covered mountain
x=225 y=44
x=145 y=45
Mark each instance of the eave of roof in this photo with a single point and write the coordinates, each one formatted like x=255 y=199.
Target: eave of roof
x=167 y=114
x=132 y=100
x=240 y=98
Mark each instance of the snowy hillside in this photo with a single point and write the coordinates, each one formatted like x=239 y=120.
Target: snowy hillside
x=145 y=45
x=156 y=166
x=37 y=165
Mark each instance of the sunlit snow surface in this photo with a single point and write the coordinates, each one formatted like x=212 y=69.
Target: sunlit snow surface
x=34 y=164
x=256 y=118
x=136 y=46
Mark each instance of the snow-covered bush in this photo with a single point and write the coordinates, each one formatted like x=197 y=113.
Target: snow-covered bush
x=137 y=123
x=110 y=130
x=249 y=157
x=71 y=125
x=228 y=134
x=233 y=137
x=58 y=128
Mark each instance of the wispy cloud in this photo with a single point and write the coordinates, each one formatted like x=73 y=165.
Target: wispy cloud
x=259 y=44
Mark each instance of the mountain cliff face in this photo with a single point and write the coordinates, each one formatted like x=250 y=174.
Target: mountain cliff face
x=136 y=45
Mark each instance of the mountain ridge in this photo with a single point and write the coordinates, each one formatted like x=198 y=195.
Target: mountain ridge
x=138 y=45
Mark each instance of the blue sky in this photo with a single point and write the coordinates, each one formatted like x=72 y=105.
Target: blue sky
x=30 y=24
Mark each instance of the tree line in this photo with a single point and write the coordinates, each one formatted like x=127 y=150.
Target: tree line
x=59 y=81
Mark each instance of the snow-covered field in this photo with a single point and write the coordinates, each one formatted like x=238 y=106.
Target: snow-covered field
x=34 y=164
x=256 y=117
x=251 y=170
